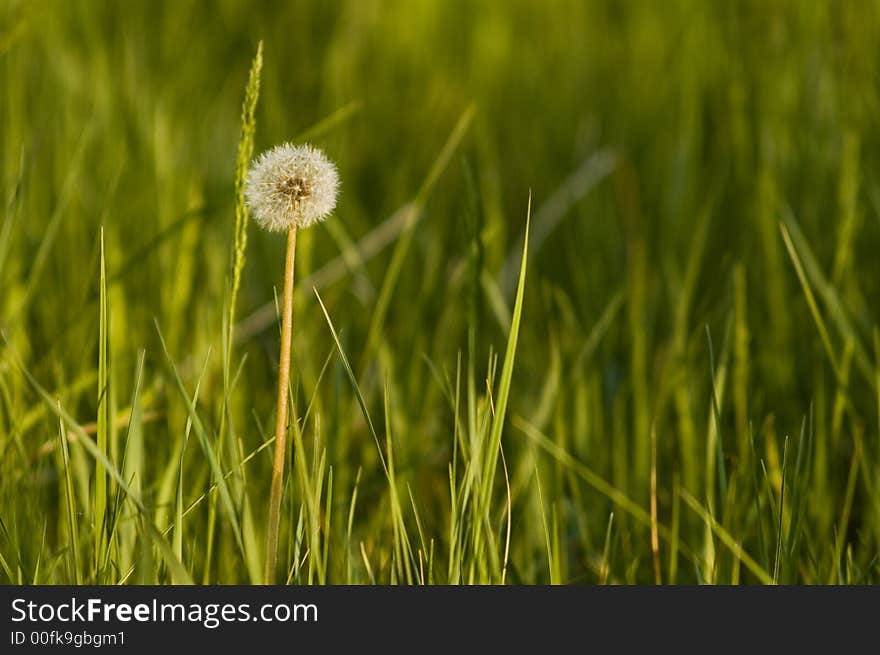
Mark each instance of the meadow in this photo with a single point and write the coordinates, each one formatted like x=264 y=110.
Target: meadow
x=597 y=304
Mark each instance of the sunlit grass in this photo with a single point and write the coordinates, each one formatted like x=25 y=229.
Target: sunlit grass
x=594 y=307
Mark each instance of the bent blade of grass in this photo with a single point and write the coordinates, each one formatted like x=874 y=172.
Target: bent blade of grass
x=205 y=442
x=600 y=329
x=351 y=377
x=328 y=123
x=367 y=564
x=727 y=539
x=811 y=302
x=598 y=483
x=827 y=291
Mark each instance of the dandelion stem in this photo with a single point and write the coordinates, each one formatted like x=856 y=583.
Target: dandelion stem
x=281 y=413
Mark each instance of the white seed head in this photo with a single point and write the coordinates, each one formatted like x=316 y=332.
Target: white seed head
x=291 y=186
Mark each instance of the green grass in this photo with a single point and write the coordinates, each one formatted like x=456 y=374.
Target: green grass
x=598 y=303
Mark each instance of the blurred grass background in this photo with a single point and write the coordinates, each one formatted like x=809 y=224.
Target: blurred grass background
x=702 y=268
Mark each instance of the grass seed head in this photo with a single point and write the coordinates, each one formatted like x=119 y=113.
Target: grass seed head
x=291 y=186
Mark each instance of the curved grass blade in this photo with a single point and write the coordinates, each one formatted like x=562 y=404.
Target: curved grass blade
x=213 y=462
x=357 y=390
x=725 y=537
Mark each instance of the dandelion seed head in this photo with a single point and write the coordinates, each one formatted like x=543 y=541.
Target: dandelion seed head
x=291 y=186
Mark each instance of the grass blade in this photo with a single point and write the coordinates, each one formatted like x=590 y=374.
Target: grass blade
x=494 y=444
x=351 y=377
x=103 y=418
x=725 y=537
x=207 y=448
x=70 y=505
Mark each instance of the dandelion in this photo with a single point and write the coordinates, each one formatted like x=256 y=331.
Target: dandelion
x=291 y=186
x=288 y=187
